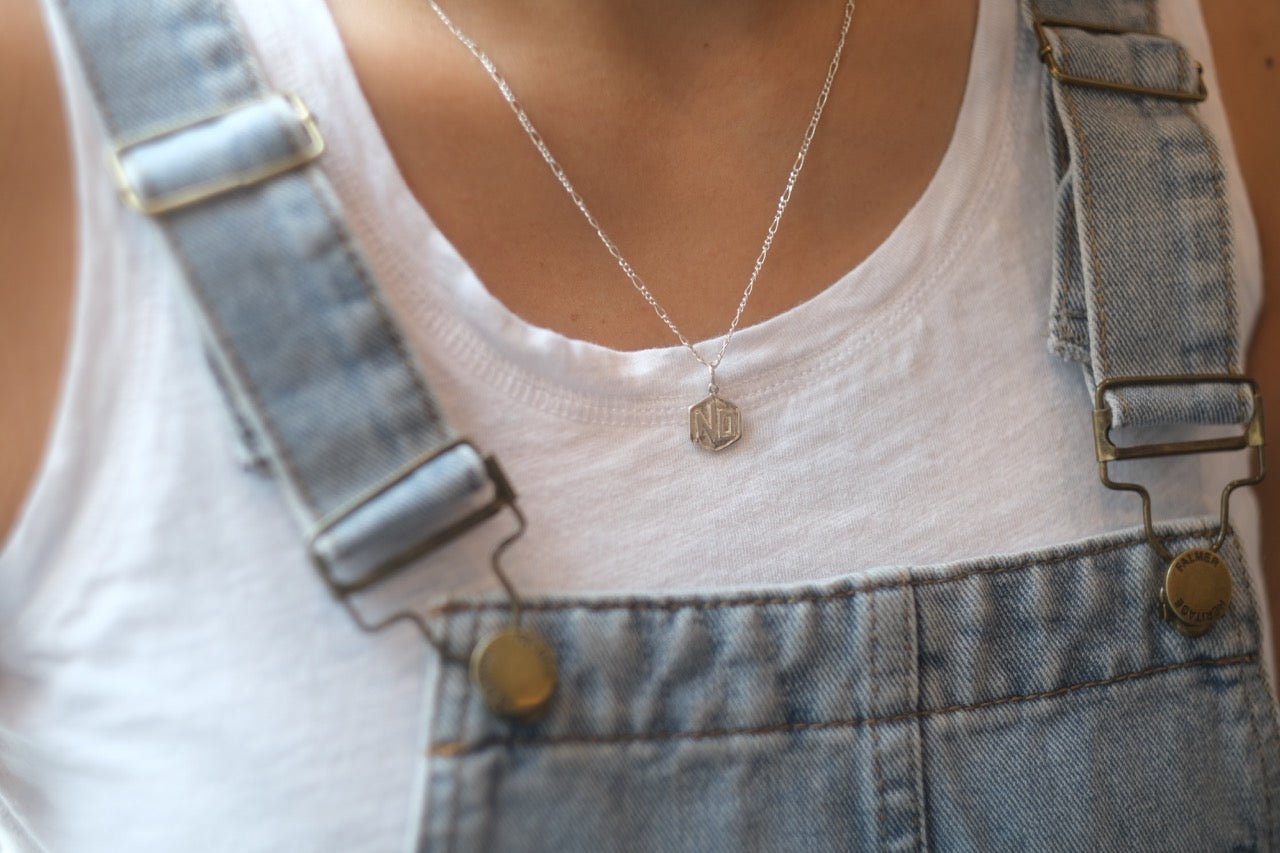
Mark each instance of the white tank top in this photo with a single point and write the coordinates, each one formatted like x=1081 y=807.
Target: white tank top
x=173 y=675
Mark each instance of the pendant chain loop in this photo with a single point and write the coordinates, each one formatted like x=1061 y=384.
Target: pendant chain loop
x=558 y=171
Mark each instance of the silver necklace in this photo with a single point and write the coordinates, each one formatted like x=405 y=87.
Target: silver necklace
x=714 y=422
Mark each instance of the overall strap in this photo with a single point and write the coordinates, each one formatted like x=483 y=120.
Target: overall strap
x=293 y=320
x=1143 y=276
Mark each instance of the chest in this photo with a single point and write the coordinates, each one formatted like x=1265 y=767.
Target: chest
x=679 y=144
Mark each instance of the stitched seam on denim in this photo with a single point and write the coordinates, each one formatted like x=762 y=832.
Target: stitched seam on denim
x=280 y=452
x=375 y=299
x=877 y=771
x=800 y=598
x=425 y=820
x=239 y=423
x=917 y=735
x=1247 y=699
x=831 y=725
x=247 y=60
x=1065 y=289
x=1068 y=335
x=452 y=831
x=1252 y=601
x=1225 y=234
x=1084 y=185
x=1271 y=742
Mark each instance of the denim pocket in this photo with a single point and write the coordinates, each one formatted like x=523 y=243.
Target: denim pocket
x=1033 y=701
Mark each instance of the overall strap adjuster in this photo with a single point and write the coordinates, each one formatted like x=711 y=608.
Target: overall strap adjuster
x=1056 y=70
x=1197 y=585
x=489 y=501
x=178 y=166
x=1107 y=451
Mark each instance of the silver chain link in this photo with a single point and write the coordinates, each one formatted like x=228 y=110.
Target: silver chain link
x=623 y=263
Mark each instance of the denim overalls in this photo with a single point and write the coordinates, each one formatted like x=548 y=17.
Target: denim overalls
x=1039 y=700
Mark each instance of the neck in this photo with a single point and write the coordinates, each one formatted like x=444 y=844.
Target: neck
x=637 y=21
x=641 y=35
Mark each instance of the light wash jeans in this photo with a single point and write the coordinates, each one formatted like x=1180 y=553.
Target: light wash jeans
x=1029 y=702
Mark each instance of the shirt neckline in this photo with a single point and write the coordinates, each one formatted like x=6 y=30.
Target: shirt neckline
x=446 y=305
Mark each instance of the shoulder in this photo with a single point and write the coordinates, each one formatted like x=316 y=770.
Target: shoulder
x=37 y=251
x=1245 y=36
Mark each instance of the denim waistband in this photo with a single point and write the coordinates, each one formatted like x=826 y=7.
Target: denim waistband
x=884 y=645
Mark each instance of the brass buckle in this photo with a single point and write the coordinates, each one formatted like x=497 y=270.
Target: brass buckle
x=1055 y=70
x=192 y=195
x=1107 y=451
x=514 y=668
x=504 y=496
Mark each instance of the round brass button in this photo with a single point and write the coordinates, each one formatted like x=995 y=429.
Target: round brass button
x=515 y=670
x=1197 y=590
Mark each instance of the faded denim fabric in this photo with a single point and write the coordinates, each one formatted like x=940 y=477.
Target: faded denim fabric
x=1028 y=702
x=314 y=369
x=1144 y=281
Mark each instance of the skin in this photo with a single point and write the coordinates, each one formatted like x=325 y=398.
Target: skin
x=716 y=81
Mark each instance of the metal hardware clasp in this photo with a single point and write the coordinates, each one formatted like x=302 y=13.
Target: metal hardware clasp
x=514 y=668
x=187 y=196
x=504 y=497
x=1197 y=585
x=1050 y=59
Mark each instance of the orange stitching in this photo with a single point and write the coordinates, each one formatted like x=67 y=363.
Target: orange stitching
x=917 y=735
x=456 y=749
x=451 y=831
x=877 y=771
x=430 y=798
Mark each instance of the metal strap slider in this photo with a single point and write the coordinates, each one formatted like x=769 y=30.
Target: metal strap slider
x=379 y=548
x=1050 y=59
x=178 y=166
x=1107 y=451
x=1196 y=592
x=514 y=668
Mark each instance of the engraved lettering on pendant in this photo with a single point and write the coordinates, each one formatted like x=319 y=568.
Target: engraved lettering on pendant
x=714 y=423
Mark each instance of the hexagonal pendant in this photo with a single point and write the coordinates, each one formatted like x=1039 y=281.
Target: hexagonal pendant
x=714 y=423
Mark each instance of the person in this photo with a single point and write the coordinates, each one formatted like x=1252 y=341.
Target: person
x=736 y=666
